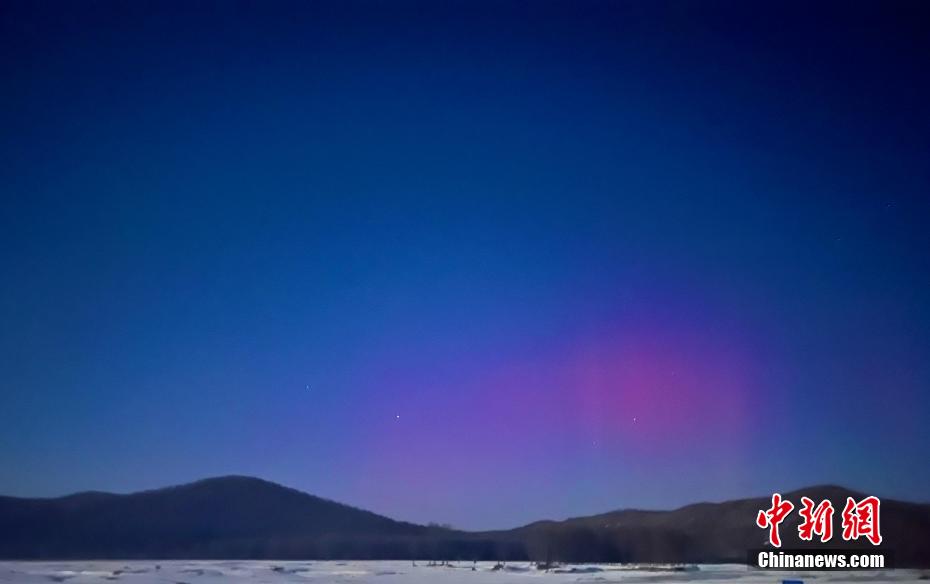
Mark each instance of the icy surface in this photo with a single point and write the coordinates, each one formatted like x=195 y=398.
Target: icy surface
x=271 y=572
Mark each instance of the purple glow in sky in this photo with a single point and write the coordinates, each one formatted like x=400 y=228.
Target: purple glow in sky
x=533 y=259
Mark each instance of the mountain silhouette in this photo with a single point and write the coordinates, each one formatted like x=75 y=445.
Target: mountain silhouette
x=245 y=517
x=721 y=532
x=224 y=517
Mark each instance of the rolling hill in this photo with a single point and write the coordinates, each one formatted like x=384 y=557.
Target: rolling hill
x=218 y=517
x=718 y=532
x=243 y=517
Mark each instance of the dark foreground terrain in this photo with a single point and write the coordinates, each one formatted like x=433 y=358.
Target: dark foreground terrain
x=242 y=517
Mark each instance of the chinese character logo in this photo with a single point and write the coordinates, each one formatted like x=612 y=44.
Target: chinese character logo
x=861 y=519
x=773 y=517
x=816 y=521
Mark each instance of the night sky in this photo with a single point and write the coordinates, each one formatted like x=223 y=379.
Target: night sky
x=462 y=262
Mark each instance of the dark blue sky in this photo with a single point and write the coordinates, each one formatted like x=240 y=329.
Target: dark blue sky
x=533 y=259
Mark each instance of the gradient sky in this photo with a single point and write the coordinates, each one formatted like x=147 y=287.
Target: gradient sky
x=533 y=259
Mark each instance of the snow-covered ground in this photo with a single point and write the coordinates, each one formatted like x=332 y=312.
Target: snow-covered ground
x=270 y=572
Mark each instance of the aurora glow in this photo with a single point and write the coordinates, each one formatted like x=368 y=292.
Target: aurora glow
x=476 y=263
